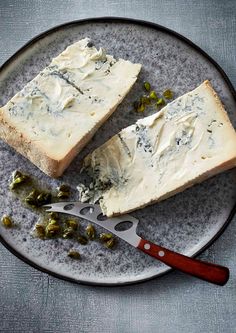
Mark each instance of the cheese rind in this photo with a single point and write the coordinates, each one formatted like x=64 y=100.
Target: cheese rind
x=186 y=142
x=54 y=115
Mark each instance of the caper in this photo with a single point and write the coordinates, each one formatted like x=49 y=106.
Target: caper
x=64 y=188
x=104 y=237
x=168 y=94
x=74 y=254
x=145 y=100
x=72 y=224
x=63 y=195
x=43 y=199
x=110 y=243
x=18 y=178
x=31 y=199
x=147 y=86
x=40 y=230
x=7 y=221
x=68 y=233
x=15 y=182
x=153 y=95
x=63 y=191
x=160 y=101
x=54 y=215
x=141 y=107
x=90 y=231
x=16 y=174
x=82 y=240
x=52 y=230
x=52 y=221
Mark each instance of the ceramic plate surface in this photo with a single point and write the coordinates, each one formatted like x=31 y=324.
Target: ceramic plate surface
x=187 y=222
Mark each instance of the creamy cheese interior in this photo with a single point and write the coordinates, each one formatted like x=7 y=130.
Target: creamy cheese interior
x=162 y=152
x=69 y=97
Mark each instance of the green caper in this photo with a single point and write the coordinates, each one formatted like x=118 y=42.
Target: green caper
x=43 y=199
x=15 y=182
x=90 y=231
x=63 y=195
x=52 y=230
x=72 y=224
x=17 y=179
x=64 y=188
x=82 y=240
x=63 y=191
x=110 y=243
x=31 y=199
x=147 y=86
x=40 y=230
x=145 y=100
x=160 y=101
x=141 y=107
x=52 y=221
x=168 y=94
x=153 y=95
x=16 y=174
x=104 y=237
x=7 y=221
x=54 y=215
x=74 y=254
x=68 y=233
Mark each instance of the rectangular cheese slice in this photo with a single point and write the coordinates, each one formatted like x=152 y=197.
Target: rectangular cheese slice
x=188 y=141
x=54 y=116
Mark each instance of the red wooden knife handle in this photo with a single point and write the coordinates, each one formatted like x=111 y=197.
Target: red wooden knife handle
x=203 y=270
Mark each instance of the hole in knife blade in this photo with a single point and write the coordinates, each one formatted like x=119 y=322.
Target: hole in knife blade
x=69 y=207
x=101 y=217
x=47 y=206
x=123 y=226
x=87 y=210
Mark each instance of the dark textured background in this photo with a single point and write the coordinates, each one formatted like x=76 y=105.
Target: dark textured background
x=31 y=301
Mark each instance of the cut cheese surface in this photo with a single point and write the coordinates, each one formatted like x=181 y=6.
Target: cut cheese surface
x=188 y=141
x=69 y=99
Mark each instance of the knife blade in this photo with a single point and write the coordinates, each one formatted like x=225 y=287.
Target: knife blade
x=94 y=214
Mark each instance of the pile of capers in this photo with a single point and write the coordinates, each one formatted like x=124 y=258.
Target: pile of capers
x=70 y=228
x=38 y=199
x=35 y=198
x=151 y=98
x=53 y=227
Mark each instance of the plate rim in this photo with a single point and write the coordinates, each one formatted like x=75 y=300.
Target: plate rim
x=158 y=27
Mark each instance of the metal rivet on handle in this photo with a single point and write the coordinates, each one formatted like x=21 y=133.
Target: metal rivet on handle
x=147 y=246
x=161 y=253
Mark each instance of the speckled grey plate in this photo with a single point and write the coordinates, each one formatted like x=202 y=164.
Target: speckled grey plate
x=188 y=222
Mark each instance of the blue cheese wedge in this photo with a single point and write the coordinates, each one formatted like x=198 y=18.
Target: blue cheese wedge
x=54 y=116
x=189 y=140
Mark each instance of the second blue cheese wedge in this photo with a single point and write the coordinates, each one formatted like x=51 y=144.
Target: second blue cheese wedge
x=54 y=116
x=189 y=140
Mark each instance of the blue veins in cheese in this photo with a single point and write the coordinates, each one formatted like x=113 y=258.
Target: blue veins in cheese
x=61 y=108
x=186 y=142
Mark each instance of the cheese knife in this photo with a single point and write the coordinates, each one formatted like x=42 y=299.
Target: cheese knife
x=125 y=227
